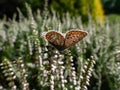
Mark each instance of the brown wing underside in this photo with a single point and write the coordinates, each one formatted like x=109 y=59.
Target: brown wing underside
x=56 y=39
x=74 y=36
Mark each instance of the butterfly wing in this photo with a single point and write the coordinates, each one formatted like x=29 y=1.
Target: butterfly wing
x=74 y=36
x=56 y=39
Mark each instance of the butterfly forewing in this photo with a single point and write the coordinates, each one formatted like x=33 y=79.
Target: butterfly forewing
x=74 y=36
x=56 y=39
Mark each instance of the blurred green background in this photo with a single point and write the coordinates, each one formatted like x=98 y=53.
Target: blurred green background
x=8 y=7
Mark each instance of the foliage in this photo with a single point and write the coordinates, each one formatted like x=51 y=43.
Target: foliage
x=81 y=7
x=74 y=7
x=113 y=18
x=27 y=61
x=96 y=10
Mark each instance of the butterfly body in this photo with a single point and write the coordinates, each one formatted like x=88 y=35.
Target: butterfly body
x=63 y=42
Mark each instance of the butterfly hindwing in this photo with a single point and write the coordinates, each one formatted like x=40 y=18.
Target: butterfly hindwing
x=74 y=36
x=56 y=39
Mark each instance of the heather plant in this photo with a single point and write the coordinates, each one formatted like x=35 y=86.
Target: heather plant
x=29 y=62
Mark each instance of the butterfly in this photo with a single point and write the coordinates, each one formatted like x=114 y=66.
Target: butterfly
x=61 y=42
